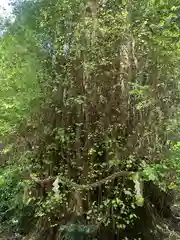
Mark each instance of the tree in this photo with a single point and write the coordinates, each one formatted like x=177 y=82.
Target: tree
x=92 y=125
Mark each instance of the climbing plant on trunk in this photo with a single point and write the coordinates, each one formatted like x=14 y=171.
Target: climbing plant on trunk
x=106 y=86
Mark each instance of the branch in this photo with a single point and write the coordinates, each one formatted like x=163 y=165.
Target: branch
x=42 y=181
x=109 y=178
x=87 y=186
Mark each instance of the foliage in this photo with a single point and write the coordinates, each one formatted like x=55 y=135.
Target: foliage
x=88 y=92
x=14 y=213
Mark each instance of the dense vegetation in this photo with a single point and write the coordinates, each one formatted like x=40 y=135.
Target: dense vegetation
x=89 y=118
